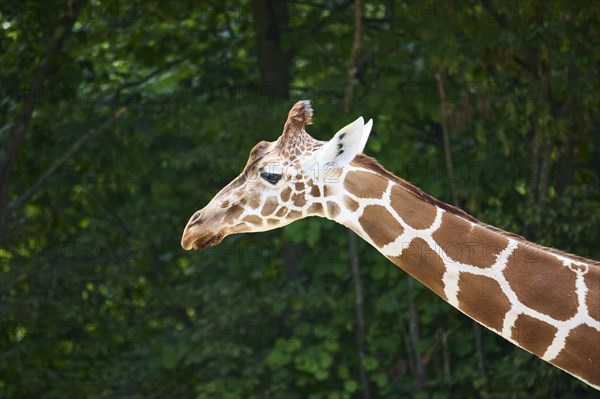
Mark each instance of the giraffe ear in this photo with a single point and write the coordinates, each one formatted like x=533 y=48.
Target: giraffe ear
x=365 y=135
x=346 y=144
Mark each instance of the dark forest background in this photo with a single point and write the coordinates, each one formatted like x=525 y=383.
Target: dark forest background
x=119 y=119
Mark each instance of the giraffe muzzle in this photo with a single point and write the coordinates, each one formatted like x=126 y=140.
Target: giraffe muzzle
x=190 y=240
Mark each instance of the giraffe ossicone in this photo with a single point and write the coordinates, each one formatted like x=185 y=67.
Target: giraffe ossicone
x=541 y=299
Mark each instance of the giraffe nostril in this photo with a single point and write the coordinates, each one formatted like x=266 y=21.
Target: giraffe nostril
x=196 y=218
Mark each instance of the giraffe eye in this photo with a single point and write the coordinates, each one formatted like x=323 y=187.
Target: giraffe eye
x=272 y=178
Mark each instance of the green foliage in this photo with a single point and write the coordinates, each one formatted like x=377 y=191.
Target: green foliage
x=98 y=300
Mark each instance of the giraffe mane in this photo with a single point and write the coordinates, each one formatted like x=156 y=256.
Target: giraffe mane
x=372 y=164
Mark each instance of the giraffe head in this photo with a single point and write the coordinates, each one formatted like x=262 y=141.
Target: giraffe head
x=291 y=178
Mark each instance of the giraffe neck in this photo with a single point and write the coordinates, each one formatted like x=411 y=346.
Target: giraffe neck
x=543 y=300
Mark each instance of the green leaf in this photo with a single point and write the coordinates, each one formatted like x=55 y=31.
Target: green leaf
x=350 y=386
x=371 y=363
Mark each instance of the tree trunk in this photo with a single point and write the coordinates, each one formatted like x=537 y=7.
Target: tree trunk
x=354 y=259
x=450 y=167
x=415 y=338
x=270 y=23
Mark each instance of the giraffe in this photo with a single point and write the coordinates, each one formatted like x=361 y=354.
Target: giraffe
x=541 y=299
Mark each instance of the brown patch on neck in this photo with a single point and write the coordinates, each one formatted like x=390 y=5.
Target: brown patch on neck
x=365 y=184
x=333 y=209
x=299 y=200
x=533 y=334
x=581 y=354
x=315 y=192
x=350 y=203
x=482 y=299
x=380 y=225
x=315 y=209
x=592 y=298
x=542 y=282
x=424 y=264
x=417 y=214
x=468 y=243
x=292 y=215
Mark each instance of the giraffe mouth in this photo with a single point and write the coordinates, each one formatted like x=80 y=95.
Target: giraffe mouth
x=208 y=241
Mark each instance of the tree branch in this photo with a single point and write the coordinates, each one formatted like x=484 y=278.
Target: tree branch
x=337 y=9
x=60 y=161
x=77 y=265
x=450 y=168
x=445 y=354
x=354 y=259
x=11 y=207
x=348 y=91
x=19 y=131
x=445 y=130
x=147 y=77
x=405 y=336
x=501 y=20
x=415 y=337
